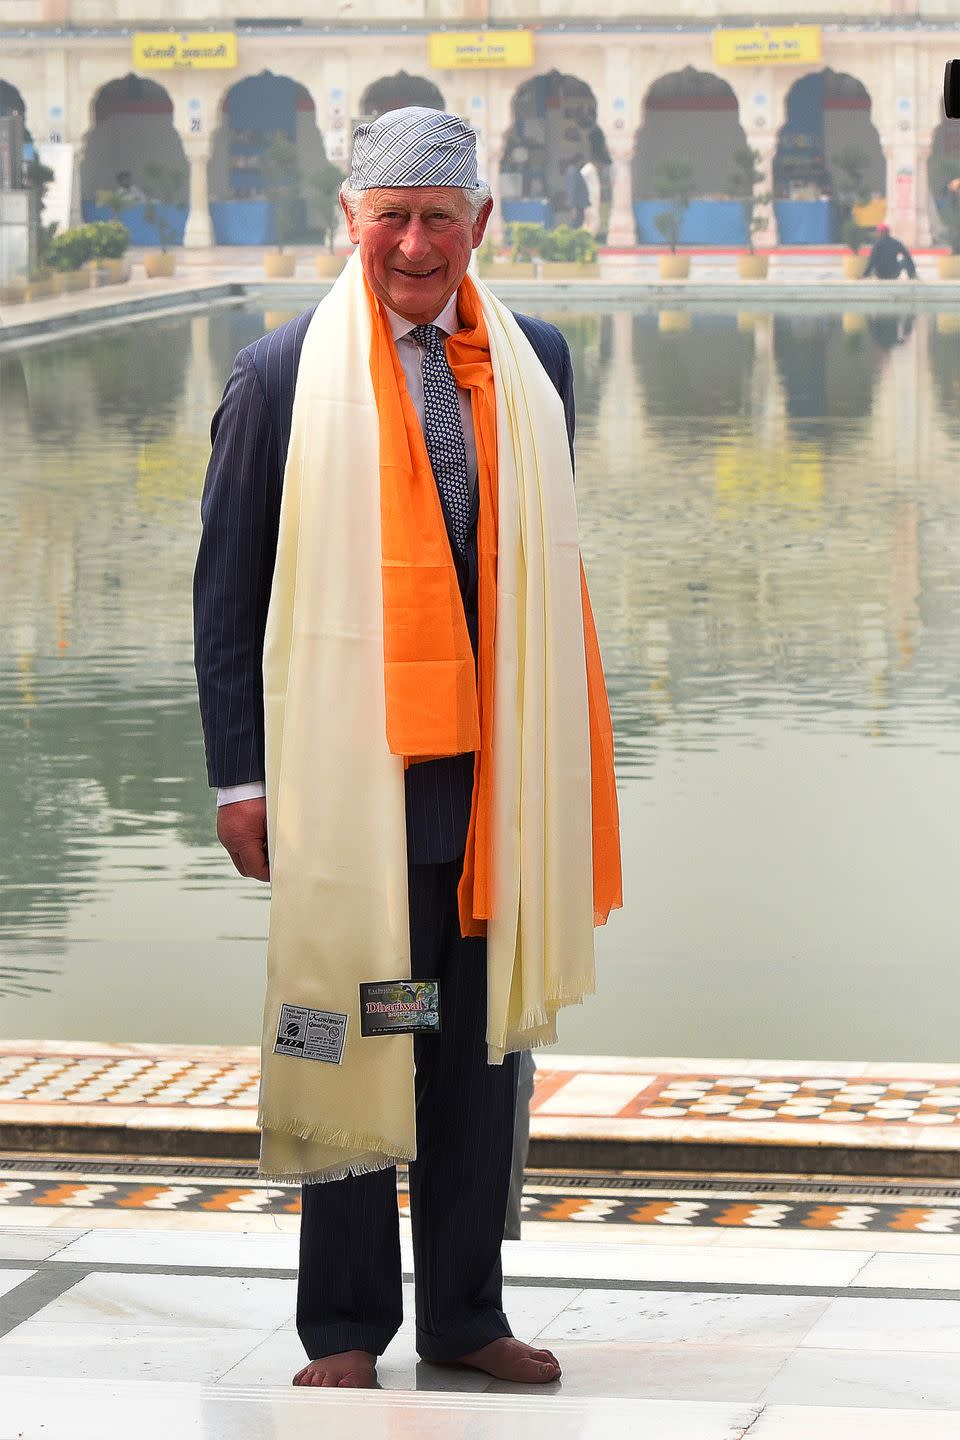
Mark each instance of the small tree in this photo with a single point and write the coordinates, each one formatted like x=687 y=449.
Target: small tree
x=848 y=169
x=326 y=188
x=281 y=173
x=162 y=186
x=673 y=181
x=38 y=177
x=526 y=240
x=745 y=176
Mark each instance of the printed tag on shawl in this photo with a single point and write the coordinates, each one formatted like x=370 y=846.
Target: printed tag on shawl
x=307 y=1034
x=400 y=1007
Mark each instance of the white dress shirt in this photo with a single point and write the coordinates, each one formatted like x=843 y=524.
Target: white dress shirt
x=410 y=354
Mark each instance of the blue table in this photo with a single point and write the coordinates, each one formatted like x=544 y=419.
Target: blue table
x=142 y=233
x=707 y=222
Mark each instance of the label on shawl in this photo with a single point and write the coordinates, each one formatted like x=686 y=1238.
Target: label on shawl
x=400 y=1007
x=307 y=1034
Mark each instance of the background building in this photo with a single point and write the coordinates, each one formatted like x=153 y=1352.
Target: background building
x=106 y=95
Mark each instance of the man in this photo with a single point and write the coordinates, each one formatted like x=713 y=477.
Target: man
x=381 y=520
x=577 y=193
x=889 y=257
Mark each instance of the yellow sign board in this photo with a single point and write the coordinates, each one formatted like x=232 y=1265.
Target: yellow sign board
x=789 y=45
x=207 y=50
x=481 y=49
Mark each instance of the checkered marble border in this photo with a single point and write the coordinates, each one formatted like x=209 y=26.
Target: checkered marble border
x=214 y=1087
x=670 y=1203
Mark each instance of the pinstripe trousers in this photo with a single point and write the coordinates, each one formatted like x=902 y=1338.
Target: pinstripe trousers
x=349 y=1293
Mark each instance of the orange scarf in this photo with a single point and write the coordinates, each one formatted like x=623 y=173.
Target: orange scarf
x=439 y=701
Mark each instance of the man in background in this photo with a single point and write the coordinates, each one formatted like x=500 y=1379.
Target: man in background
x=889 y=257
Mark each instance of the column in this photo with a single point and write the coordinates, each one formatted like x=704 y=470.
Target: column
x=496 y=229
x=198 y=234
x=616 y=118
x=765 y=145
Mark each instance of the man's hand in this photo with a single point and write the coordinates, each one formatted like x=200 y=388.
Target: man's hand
x=242 y=831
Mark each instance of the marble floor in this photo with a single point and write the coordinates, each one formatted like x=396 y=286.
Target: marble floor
x=189 y=1333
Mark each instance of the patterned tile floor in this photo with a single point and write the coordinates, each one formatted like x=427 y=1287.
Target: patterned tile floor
x=215 y=1088
x=669 y=1201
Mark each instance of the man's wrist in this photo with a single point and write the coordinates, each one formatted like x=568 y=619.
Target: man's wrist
x=230 y=794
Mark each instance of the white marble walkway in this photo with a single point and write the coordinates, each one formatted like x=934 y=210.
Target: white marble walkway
x=191 y=1334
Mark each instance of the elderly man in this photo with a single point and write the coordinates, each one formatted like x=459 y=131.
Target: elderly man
x=405 y=717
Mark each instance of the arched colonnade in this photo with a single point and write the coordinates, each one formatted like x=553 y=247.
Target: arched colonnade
x=627 y=114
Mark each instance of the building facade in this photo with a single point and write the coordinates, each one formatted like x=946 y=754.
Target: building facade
x=542 y=86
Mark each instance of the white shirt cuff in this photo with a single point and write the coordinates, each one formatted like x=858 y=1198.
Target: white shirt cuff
x=229 y=794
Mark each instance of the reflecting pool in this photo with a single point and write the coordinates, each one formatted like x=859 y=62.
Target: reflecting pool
x=770 y=512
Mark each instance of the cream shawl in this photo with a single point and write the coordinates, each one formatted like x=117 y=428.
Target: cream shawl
x=335 y=793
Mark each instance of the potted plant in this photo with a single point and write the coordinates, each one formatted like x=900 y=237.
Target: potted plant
x=945 y=182
x=69 y=254
x=848 y=168
x=41 y=281
x=163 y=187
x=111 y=239
x=281 y=173
x=568 y=254
x=673 y=182
x=118 y=202
x=519 y=263
x=326 y=190
x=745 y=176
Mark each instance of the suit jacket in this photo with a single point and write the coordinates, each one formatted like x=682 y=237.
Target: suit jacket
x=240 y=511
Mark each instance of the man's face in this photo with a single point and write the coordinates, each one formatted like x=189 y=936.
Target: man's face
x=415 y=244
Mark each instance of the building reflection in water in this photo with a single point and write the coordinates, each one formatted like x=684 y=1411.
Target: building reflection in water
x=770 y=523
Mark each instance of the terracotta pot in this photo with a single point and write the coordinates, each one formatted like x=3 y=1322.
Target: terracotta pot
x=507 y=270
x=674 y=322
x=753 y=267
x=13 y=294
x=160 y=265
x=329 y=266
x=854 y=266
x=948 y=324
x=76 y=280
x=41 y=289
x=279 y=267
x=948 y=267
x=569 y=270
x=853 y=323
x=116 y=270
x=674 y=267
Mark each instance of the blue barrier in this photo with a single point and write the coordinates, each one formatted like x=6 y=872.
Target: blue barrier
x=804 y=222
x=707 y=222
x=529 y=212
x=242 y=222
x=141 y=233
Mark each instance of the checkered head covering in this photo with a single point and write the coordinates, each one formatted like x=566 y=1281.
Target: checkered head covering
x=414 y=146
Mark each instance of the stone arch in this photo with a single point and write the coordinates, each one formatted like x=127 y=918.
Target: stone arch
x=695 y=115
x=554 y=127
x=826 y=111
x=394 y=92
x=252 y=111
x=131 y=127
x=13 y=103
x=942 y=167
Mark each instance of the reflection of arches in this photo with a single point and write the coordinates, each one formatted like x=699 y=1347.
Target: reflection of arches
x=253 y=111
x=395 y=92
x=554 y=127
x=695 y=116
x=705 y=370
x=132 y=128
x=826 y=112
x=826 y=374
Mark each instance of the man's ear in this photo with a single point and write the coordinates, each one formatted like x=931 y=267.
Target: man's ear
x=480 y=224
x=353 y=229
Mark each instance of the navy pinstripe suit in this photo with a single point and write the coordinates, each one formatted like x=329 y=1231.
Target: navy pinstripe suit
x=349 y=1294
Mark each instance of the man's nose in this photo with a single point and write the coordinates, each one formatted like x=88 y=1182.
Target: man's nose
x=416 y=242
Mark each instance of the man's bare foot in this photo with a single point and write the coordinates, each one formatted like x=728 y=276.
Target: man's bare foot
x=350 y=1370
x=509 y=1359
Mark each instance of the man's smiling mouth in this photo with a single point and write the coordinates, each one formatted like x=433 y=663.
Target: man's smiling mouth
x=418 y=274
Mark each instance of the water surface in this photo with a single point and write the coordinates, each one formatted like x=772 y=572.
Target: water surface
x=770 y=514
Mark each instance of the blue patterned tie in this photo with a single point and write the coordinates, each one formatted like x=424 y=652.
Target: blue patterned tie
x=443 y=430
